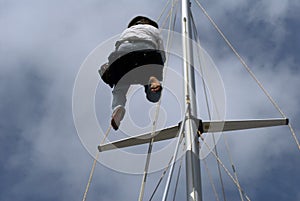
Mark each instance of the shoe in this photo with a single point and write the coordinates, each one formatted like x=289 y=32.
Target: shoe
x=153 y=90
x=117 y=116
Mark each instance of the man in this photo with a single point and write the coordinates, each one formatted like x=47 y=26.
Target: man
x=139 y=52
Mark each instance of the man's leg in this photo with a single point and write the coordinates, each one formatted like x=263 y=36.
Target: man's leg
x=118 y=105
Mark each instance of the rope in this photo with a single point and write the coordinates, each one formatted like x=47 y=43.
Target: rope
x=209 y=114
x=142 y=188
x=163 y=11
x=164 y=173
x=236 y=181
x=211 y=180
x=161 y=178
x=225 y=169
x=177 y=179
x=103 y=140
x=249 y=71
x=219 y=169
x=141 y=195
x=241 y=59
x=170 y=13
x=233 y=167
x=180 y=133
x=196 y=36
x=94 y=165
x=294 y=135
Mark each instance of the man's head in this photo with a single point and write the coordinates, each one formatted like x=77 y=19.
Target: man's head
x=142 y=20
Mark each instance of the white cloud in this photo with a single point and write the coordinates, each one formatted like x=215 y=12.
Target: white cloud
x=52 y=39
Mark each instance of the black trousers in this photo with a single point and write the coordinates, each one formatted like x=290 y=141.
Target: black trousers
x=134 y=67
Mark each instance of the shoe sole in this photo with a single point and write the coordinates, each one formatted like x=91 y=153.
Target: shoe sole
x=113 y=123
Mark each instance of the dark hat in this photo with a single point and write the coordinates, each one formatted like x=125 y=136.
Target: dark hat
x=138 y=18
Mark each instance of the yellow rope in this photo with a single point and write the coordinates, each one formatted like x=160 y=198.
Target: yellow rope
x=93 y=166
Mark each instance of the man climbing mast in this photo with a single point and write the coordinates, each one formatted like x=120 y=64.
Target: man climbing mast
x=138 y=59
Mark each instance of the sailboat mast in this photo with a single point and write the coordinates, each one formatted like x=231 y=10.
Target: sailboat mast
x=193 y=174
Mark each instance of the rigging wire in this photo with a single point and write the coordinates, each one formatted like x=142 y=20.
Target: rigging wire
x=196 y=36
x=225 y=169
x=156 y=116
x=146 y=168
x=141 y=195
x=294 y=135
x=249 y=71
x=169 y=15
x=180 y=133
x=177 y=179
x=209 y=114
x=163 y=11
x=241 y=59
x=161 y=178
x=103 y=140
x=211 y=180
x=94 y=165
x=233 y=166
x=167 y=58
x=164 y=173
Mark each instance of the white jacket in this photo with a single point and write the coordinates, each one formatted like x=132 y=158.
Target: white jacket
x=143 y=32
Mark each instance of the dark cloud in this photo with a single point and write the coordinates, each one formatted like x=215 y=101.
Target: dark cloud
x=42 y=45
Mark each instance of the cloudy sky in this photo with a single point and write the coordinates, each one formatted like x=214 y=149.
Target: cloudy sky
x=43 y=44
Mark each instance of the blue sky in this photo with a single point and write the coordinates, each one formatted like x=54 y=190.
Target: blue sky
x=44 y=43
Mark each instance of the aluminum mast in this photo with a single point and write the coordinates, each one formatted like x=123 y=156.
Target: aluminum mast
x=193 y=175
